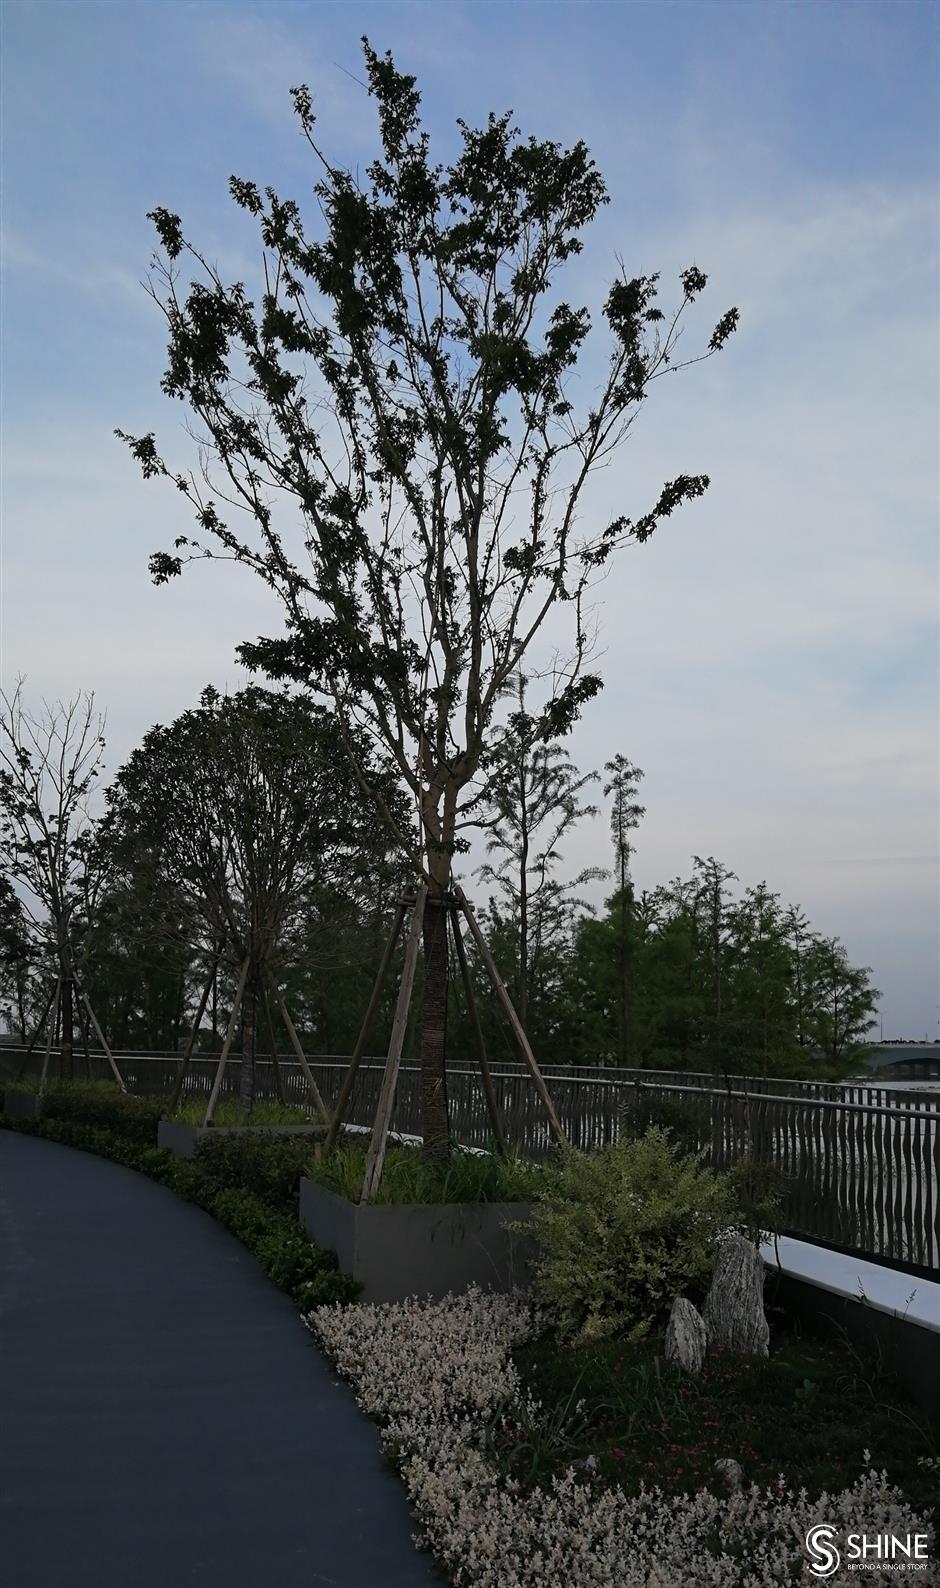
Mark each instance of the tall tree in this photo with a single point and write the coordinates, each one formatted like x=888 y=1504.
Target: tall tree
x=18 y=954
x=841 y=998
x=49 y=762
x=625 y=816
x=762 y=1011
x=374 y=427
x=534 y=803
x=799 y=938
x=713 y=899
x=245 y=809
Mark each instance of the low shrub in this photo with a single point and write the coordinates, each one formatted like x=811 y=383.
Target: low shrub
x=268 y=1166
x=101 y=1105
x=408 y=1177
x=621 y=1232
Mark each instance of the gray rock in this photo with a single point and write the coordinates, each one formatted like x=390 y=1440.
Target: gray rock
x=730 y=1473
x=686 y=1336
x=734 y=1306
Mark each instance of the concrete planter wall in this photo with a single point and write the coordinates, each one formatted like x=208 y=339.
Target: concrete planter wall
x=22 y=1105
x=182 y=1139
x=419 y=1249
x=908 y=1349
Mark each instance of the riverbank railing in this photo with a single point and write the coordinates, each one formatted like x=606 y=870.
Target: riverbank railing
x=860 y=1163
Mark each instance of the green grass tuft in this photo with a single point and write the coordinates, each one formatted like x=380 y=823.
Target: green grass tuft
x=407 y=1177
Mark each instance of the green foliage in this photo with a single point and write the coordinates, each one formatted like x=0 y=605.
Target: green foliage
x=688 y=1120
x=101 y=1105
x=269 y=1167
x=281 y=1246
x=412 y=326
x=408 y=1177
x=622 y=1232
x=534 y=804
x=807 y=1413
x=759 y=1193
x=733 y=986
x=229 y=1112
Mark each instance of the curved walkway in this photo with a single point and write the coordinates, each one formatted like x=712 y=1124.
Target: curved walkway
x=165 y=1420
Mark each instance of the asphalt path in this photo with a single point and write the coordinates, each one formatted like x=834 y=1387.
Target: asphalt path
x=165 y=1419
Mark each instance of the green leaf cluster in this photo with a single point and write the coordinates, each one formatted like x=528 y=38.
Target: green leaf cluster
x=621 y=1233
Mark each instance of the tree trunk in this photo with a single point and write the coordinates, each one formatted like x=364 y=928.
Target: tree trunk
x=21 y=1005
x=435 y=1122
x=246 y=1081
x=65 y=1050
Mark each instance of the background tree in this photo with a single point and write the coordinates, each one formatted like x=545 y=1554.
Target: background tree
x=244 y=809
x=373 y=428
x=799 y=936
x=18 y=955
x=149 y=961
x=534 y=804
x=625 y=815
x=49 y=762
x=841 y=998
x=718 y=945
x=760 y=1025
x=790 y=1001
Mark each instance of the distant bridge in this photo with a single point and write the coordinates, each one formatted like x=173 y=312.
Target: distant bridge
x=908 y=1061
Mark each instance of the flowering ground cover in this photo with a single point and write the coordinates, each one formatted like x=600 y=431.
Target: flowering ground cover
x=442 y=1378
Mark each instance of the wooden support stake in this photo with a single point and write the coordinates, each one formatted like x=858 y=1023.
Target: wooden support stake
x=229 y=1034
x=496 y=1124
x=360 y=1048
x=191 y=1043
x=50 y=1036
x=35 y=1036
x=513 y=1018
x=302 y=1058
x=383 y=1114
x=98 y=1032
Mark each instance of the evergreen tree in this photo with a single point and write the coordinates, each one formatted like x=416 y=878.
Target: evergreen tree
x=534 y=805
x=625 y=814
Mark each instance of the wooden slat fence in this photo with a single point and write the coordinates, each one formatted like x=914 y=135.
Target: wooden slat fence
x=860 y=1173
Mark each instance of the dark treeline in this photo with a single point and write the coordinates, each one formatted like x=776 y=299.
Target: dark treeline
x=237 y=841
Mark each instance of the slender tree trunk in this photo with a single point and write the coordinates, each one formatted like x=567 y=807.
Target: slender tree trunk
x=21 y=1004
x=246 y=1082
x=439 y=834
x=65 y=1050
x=272 y=1043
x=435 y=1122
x=523 y=988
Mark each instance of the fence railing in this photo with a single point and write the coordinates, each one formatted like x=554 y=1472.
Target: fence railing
x=860 y=1173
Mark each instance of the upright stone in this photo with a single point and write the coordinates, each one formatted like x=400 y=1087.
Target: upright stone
x=686 y=1336
x=734 y=1306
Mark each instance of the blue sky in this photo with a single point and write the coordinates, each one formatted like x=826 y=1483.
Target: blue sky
x=771 y=656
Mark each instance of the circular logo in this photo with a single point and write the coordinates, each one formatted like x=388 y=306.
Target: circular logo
x=820 y=1546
